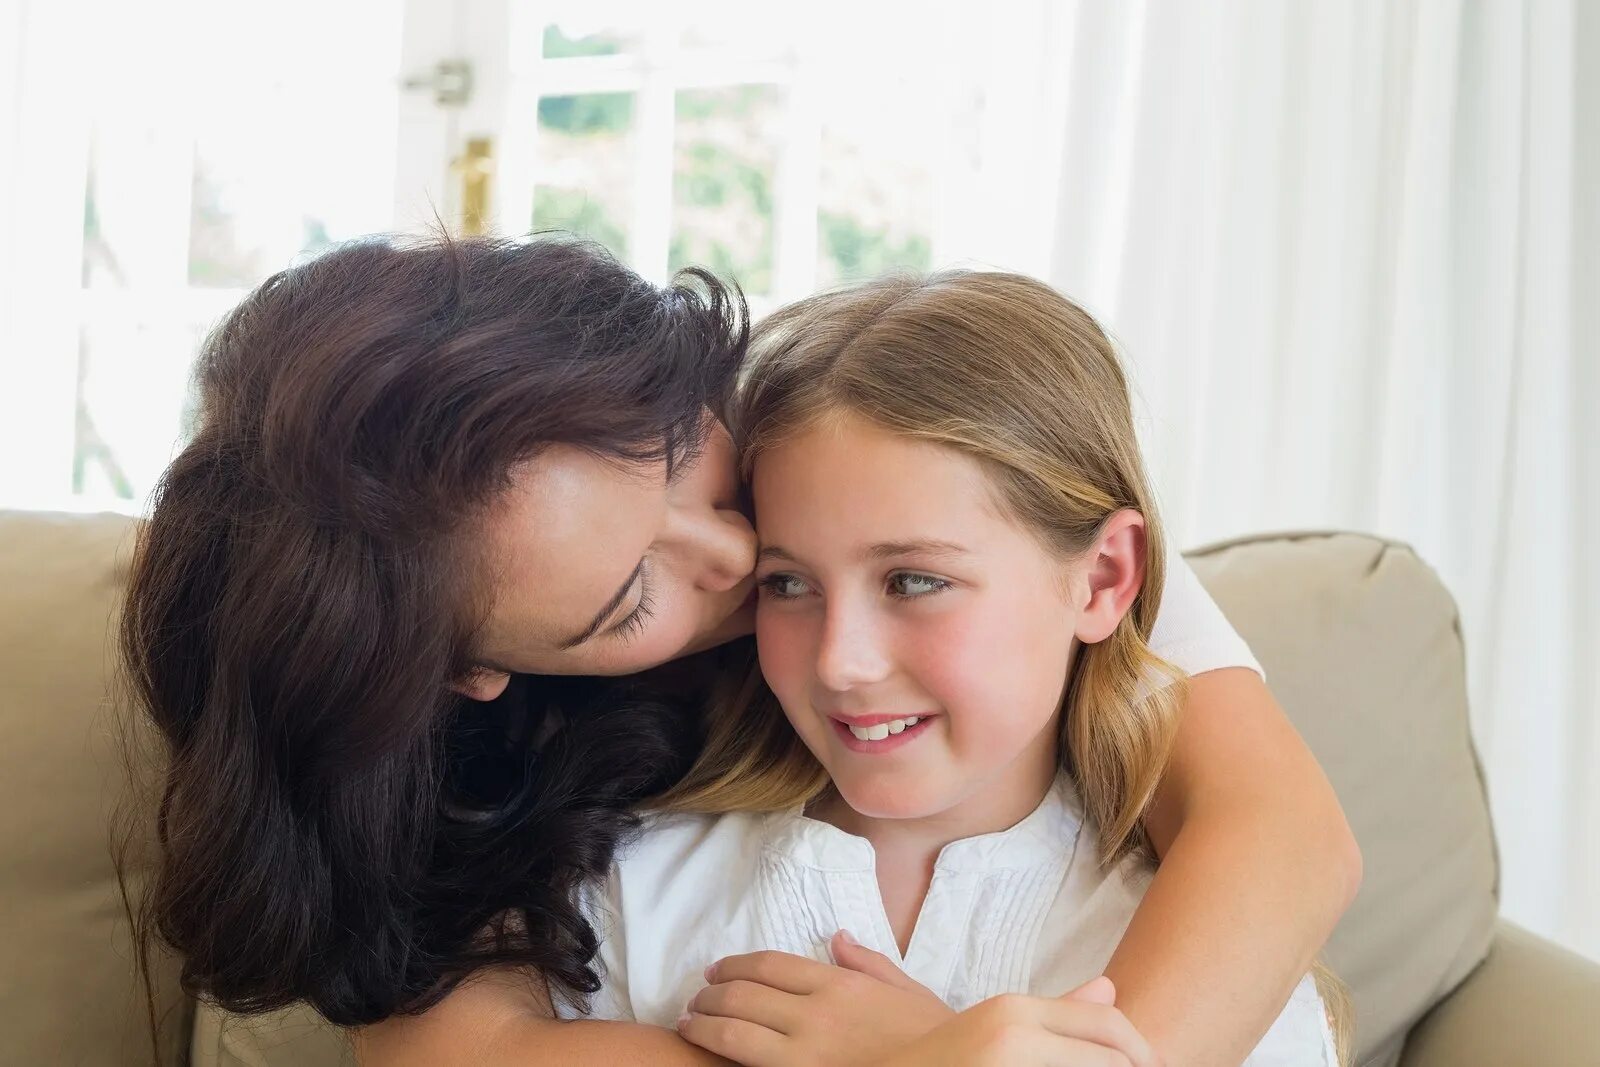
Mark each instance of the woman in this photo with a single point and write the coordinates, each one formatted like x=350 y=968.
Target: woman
x=422 y=468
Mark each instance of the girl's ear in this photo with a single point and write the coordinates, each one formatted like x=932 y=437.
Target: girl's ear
x=1114 y=570
x=482 y=683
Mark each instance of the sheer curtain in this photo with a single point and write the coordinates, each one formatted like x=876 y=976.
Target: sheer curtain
x=1352 y=251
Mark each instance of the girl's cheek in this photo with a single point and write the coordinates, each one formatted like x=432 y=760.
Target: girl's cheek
x=781 y=648
x=951 y=666
x=976 y=664
x=959 y=647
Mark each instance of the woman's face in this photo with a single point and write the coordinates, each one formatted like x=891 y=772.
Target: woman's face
x=605 y=568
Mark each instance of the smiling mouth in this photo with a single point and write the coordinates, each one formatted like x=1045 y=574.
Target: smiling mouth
x=879 y=734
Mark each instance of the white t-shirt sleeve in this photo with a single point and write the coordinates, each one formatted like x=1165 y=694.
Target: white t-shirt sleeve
x=1191 y=633
x=1301 y=1035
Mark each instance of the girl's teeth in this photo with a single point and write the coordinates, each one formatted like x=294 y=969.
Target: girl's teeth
x=883 y=729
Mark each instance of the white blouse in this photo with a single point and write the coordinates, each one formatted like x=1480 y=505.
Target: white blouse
x=1025 y=910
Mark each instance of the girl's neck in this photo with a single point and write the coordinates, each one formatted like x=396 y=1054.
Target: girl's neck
x=907 y=850
x=983 y=813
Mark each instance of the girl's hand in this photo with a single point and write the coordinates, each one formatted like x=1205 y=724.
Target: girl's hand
x=1081 y=1029
x=773 y=1009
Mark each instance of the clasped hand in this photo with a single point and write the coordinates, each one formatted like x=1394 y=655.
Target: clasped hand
x=773 y=1009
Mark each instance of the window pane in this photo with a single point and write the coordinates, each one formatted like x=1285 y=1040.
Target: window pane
x=877 y=189
x=188 y=204
x=575 y=35
x=584 y=166
x=743 y=29
x=134 y=399
x=724 y=161
x=327 y=170
x=239 y=233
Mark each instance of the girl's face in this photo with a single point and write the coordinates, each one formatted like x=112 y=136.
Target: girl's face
x=918 y=638
x=598 y=568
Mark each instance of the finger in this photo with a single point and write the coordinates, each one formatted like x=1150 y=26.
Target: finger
x=1095 y=991
x=1099 y=1024
x=733 y=1039
x=852 y=955
x=780 y=970
x=752 y=1002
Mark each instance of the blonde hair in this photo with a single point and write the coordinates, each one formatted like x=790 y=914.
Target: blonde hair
x=1003 y=369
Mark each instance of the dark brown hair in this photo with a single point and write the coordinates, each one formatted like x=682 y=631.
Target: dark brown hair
x=334 y=825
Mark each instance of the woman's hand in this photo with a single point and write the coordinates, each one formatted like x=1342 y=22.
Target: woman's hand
x=773 y=1009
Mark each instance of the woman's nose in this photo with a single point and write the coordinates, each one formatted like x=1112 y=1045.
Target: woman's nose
x=726 y=548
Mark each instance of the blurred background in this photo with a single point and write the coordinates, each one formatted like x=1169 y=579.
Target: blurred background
x=1350 y=248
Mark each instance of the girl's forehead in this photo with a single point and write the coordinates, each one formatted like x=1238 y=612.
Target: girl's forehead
x=865 y=487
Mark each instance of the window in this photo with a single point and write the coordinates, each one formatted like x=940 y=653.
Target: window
x=788 y=156
x=163 y=170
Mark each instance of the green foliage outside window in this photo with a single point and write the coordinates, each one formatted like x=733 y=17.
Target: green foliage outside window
x=859 y=252
x=557 y=208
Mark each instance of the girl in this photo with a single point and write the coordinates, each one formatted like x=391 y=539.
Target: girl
x=959 y=568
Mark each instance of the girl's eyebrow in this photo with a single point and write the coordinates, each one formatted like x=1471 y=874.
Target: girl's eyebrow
x=923 y=546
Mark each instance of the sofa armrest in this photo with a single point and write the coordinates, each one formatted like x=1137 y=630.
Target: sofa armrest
x=1530 y=1001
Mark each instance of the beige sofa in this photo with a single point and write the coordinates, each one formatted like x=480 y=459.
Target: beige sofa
x=1359 y=639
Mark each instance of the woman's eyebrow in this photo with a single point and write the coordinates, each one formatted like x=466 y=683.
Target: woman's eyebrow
x=604 y=613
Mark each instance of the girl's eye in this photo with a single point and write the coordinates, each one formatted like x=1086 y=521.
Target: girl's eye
x=911 y=586
x=783 y=586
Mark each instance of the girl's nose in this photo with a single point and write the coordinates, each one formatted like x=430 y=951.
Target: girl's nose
x=849 y=654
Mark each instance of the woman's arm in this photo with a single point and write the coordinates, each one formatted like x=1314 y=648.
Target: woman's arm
x=497 y=1019
x=1257 y=865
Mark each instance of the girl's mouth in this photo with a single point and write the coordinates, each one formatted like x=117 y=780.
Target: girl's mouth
x=879 y=735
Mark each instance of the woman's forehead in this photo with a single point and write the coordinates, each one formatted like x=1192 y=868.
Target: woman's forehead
x=570 y=528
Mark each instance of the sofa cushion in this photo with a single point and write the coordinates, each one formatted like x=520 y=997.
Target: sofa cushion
x=1363 y=647
x=67 y=991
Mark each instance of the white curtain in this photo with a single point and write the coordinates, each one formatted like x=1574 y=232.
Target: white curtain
x=1352 y=250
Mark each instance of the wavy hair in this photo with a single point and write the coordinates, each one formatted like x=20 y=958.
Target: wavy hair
x=335 y=825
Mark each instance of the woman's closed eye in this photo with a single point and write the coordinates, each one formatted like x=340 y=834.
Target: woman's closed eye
x=630 y=627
